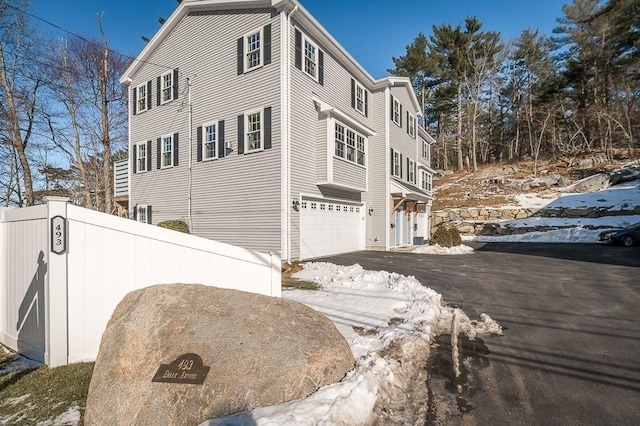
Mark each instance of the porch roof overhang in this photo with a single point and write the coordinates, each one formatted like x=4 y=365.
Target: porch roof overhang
x=408 y=192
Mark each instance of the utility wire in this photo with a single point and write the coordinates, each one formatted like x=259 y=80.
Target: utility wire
x=83 y=38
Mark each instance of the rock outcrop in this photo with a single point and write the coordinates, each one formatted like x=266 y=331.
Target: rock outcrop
x=259 y=351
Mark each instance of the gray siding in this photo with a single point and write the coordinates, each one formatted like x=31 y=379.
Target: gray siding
x=321 y=149
x=377 y=197
x=235 y=199
x=349 y=174
x=304 y=167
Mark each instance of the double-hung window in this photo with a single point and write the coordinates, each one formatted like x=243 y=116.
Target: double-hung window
x=310 y=58
x=340 y=140
x=210 y=141
x=166 y=88
x=141 y=157
x=411 y=171
x=360 y=101
x=425 y=181
x=426 y=151
x=167 y=151
x=351 y=145
x=411 y=125
x=360 y=150
x=253 y=130
x=397 y=164
x=141 y=94
x=253 y=51
x=142 y=213
x=397 y=111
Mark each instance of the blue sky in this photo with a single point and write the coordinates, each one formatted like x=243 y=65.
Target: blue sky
x=371 y=30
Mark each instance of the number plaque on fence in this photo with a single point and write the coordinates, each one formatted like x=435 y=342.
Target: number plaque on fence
x=58 y=234
x=187 y=368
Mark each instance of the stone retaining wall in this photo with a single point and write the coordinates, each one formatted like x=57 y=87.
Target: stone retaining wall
x=482 y=221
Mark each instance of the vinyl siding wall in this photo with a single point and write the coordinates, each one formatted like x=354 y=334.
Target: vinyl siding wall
x=378 y=197
x=235 y=199
x=336 y=91
x=401 y=141
x=348 y=174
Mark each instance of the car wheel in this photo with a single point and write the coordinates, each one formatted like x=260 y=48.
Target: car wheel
x=626 y=241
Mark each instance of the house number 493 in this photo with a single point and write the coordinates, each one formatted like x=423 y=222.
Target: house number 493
x=58 y=234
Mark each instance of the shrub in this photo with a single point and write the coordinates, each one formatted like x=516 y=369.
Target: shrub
x=176 y=225
x=442 y=237
x=456 y=239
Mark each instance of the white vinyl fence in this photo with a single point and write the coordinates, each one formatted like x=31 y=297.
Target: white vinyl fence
x=64 y=269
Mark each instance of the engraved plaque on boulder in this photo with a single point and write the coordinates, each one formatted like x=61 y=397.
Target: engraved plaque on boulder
x=186 y=369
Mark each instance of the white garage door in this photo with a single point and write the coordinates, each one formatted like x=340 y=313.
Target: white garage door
x=330 y=227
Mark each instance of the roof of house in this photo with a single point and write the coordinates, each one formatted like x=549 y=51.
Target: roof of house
x=301 y=15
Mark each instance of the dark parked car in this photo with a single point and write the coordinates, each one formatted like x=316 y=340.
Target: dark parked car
x=626 y=236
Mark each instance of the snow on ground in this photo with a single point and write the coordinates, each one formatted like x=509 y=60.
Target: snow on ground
x=373 y=310
x=437 y=249
x=71 y=417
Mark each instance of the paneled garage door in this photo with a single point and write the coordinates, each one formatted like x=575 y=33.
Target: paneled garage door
x=330 y=227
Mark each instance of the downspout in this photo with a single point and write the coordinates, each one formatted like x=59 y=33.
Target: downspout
x=190 y=121
x=287 y=148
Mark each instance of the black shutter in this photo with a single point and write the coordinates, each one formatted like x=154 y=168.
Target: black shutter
x=158 y=154
x=267 y=127
x=321 y=67
x=175 y=149
x=408 y=169
x=400 y=115
x=267 y=44
x=149 y=219
x=407 y=121
x=391 y=108
x=400 y=166
x=241 y=134
x=222 y=150
x=158 y=84
x=366 y=103
x=148 y=155
x=199 y=143
x=240 y=55
x=149 y=94
x=135 y=100
x=175 y=83
x=353 y=93
x=135 y=155
x=298 y=60
x=392 y=162
x=135 y=213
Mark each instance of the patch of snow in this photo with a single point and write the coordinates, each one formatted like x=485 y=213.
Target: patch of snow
x=533 y=200
x=71 y=417
x=397 y=309
x=618 y=197
x=437 y=249
x=17 y=400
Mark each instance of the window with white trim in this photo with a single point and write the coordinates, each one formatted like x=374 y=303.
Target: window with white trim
x=426 y=151
x=166 y=88
x=397 y=164
x=396 y=111
x=141 y=213
x=411 y=171
x=253 y=50
x=141 y=157
x=310 y=58
x=339 y=140
x=349 y=144
x=425 y=180
x=360 y=101
x=166 y=146
x=141 y=95
x=253 y=131
x=210 y=140
x=360 y=149
x=411 y=126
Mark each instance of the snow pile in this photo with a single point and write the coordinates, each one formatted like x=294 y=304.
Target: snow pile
x=437 y=249
x=71 y=417
x=389 y=321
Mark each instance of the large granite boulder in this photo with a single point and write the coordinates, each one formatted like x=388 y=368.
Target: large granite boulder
x=259 y=351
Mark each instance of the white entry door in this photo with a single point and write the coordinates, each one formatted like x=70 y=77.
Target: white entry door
x=330 y=227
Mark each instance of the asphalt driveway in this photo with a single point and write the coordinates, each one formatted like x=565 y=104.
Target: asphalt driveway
x=571 y=315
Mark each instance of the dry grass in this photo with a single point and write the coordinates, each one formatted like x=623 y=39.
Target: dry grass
x=288 y=281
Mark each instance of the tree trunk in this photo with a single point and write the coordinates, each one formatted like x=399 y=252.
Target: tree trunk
x=459 y=135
